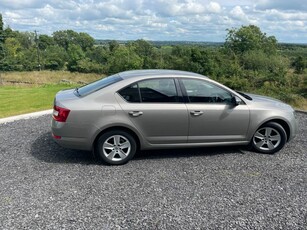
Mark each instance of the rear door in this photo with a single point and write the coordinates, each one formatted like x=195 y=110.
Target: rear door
x=156 y=108
x=212 y=116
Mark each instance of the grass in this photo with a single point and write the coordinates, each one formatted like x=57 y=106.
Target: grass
x=48 y=77
x=23 y=98
x=300 y=104
x=16 y=100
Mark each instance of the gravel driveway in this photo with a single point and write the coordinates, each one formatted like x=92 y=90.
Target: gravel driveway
x=44 y=186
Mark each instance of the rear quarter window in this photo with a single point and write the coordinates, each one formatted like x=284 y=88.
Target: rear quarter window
x=131 y=93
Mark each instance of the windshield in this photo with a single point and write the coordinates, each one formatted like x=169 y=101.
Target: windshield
x=97 y=85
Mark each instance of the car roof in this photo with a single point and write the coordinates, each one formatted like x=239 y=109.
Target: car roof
x=157 y=72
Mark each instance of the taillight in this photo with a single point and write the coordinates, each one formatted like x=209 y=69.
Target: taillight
x=60 y=114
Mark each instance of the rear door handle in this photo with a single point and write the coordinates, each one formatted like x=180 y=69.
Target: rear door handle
x=135 y=113
x=196 y=113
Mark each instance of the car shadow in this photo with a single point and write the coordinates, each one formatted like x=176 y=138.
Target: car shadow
x=45 y=149
x=187 y=152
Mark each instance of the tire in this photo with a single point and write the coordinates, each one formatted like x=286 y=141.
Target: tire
x=116 y=147
x=269 y=138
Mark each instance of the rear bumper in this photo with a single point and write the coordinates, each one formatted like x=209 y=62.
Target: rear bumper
x=73 y=143
x=71 y=136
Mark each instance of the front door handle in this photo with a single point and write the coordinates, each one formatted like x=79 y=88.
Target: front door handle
x=135 y=113
x=196 y=113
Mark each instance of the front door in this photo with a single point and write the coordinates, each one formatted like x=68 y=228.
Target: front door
x=212 y=116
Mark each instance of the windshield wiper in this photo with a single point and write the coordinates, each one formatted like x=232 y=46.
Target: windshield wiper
x=244 y=95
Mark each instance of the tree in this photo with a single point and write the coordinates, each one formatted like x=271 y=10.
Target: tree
x=85 y=41
x=145 y=50
x=26 y=39
x=12 y=47
x=27 y=60
x=1 y=41
x=255 y=60
x=87 y=66
x=277 y=69
x=124 y=58
x=54 y=57
x=64 y=38
x=203 y=61
x=180 y=57
x=75 y=54
x=113 y=45
x=45 y=41
x=249 y=38
x=299 y=64
x=99 y=54
x=1 y=30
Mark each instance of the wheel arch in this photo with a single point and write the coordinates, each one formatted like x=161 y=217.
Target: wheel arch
x=281 y=122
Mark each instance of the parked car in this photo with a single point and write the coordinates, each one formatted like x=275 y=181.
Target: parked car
x=152 y=109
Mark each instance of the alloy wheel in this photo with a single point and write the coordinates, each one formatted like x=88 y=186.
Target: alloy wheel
x=267 y=139
x=116 y=148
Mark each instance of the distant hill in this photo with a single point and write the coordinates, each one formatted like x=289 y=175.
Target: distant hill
x=164 y=43
x=282 y=46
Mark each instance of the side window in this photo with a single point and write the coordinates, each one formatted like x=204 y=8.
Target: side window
x=158 y=90
x=131 y=93
x=205 y=92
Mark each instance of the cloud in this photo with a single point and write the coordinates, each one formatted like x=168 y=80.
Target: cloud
x=21 y=4
x=197 y=20
x=280 y=15
x=214 y=7
x=238 y=13
x=297 y=5
x=169 y=8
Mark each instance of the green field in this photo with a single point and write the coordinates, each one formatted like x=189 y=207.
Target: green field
x=16 y=100
x=38 y=92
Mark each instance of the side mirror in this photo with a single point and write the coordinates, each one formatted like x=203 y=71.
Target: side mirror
x=235 y=101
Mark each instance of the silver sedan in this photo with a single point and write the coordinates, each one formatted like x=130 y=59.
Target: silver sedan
x=151 y=109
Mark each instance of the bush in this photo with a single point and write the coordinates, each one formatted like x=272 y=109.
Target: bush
x=87 y=66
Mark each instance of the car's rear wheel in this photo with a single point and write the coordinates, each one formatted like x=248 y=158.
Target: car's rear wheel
x=116 y=147
x=269 y=138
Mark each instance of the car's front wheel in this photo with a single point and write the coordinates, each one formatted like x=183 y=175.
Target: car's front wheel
x=116 y=147
x=269 y=138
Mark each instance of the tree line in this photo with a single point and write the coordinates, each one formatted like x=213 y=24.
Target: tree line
x=248 y=60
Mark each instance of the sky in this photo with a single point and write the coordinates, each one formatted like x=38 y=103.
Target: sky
x=159 y=20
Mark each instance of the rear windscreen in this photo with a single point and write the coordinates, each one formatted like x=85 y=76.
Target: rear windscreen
x=97 y=85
